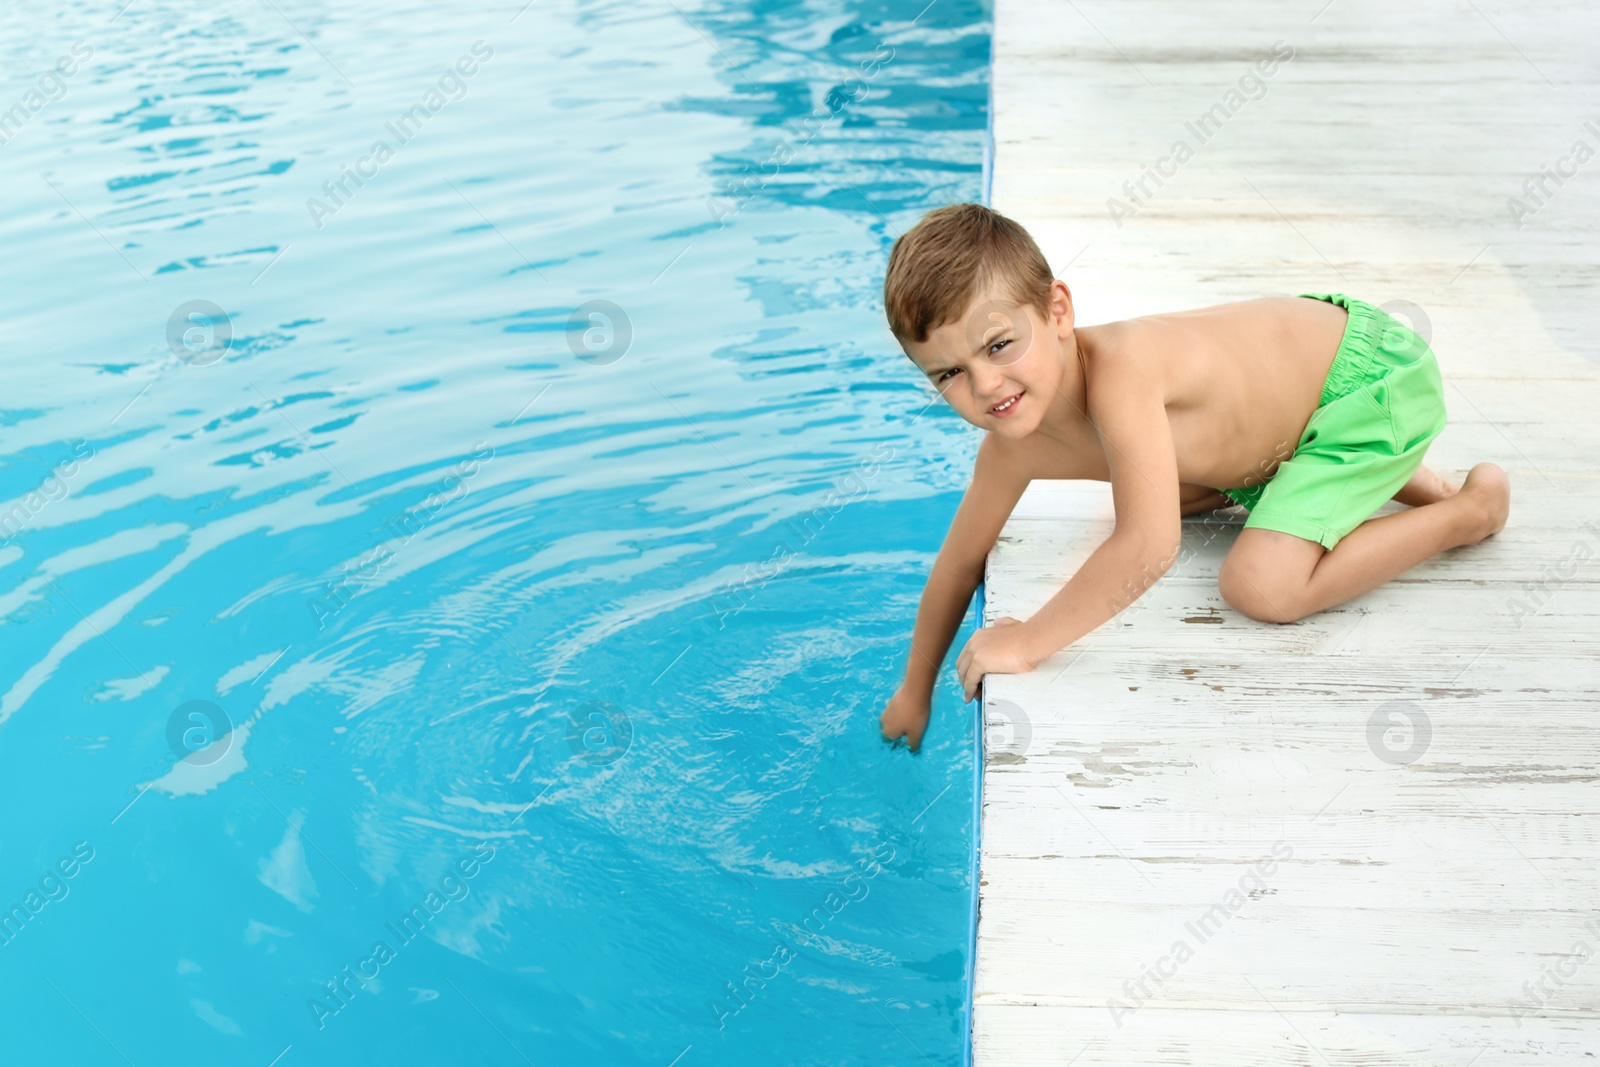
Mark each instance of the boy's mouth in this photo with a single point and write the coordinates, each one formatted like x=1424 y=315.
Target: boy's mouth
x=1006 y=406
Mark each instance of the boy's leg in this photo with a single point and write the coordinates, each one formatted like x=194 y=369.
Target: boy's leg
x=1277 y=577
x=1426 y=487
x=1196 y=498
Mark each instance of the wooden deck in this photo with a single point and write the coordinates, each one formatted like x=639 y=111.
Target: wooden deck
x=1370 y=837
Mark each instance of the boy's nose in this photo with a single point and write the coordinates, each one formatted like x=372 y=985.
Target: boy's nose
x=988 y=384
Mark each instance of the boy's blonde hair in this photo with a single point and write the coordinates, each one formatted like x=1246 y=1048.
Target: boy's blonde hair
x=951 y=255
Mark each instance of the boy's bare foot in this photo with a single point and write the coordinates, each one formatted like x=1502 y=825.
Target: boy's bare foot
x=1486 y=496
x=1426 y=487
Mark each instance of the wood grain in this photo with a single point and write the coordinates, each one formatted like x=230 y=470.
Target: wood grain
x=1425 y=759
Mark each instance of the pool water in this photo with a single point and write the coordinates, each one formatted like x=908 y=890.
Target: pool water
x=461 y=515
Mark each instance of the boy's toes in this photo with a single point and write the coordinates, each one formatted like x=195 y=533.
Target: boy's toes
x=1489 y=486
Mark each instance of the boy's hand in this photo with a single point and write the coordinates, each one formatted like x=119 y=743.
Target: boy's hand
x=998 y=649
x=906 y=716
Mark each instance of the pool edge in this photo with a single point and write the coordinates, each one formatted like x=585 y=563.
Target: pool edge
x=977 y=729
x=977 y=852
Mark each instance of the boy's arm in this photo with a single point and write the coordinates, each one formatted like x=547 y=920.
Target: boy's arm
x=1130 y=415
x=998 y=482
x=1131 y=418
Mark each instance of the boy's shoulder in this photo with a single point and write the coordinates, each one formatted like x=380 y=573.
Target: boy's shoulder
x=1129 y=359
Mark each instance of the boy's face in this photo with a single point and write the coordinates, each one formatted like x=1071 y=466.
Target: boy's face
x=999 y=365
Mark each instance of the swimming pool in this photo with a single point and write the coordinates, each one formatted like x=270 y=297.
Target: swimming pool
x=463 y=514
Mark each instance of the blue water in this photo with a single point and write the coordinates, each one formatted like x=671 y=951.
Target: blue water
x=445 y=615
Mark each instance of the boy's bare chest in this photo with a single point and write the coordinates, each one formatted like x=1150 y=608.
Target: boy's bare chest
x=1082 y=456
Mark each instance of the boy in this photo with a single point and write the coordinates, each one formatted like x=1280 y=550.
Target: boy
x=1311 y=411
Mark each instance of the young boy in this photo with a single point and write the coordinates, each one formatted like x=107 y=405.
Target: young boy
x=1311 y=411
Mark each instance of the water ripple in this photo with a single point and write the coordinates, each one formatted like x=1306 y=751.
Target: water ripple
x=538 y=495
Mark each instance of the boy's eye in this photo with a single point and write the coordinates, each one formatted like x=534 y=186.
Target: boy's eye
x=998 y=345
x=946 y=374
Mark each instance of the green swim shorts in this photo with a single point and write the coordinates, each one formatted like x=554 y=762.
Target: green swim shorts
x=1381 y=407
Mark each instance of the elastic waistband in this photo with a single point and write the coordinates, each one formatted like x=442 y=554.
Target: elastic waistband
x=1362 y=334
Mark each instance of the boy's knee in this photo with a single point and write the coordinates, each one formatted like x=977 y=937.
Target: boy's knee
x=1249 y=599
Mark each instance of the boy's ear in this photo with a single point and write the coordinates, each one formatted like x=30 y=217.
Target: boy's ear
x=1061 y=312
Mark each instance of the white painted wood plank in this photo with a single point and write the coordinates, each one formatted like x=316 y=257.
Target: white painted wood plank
x=1384 y=959
x=1463 y=619
x=1155 y=1037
